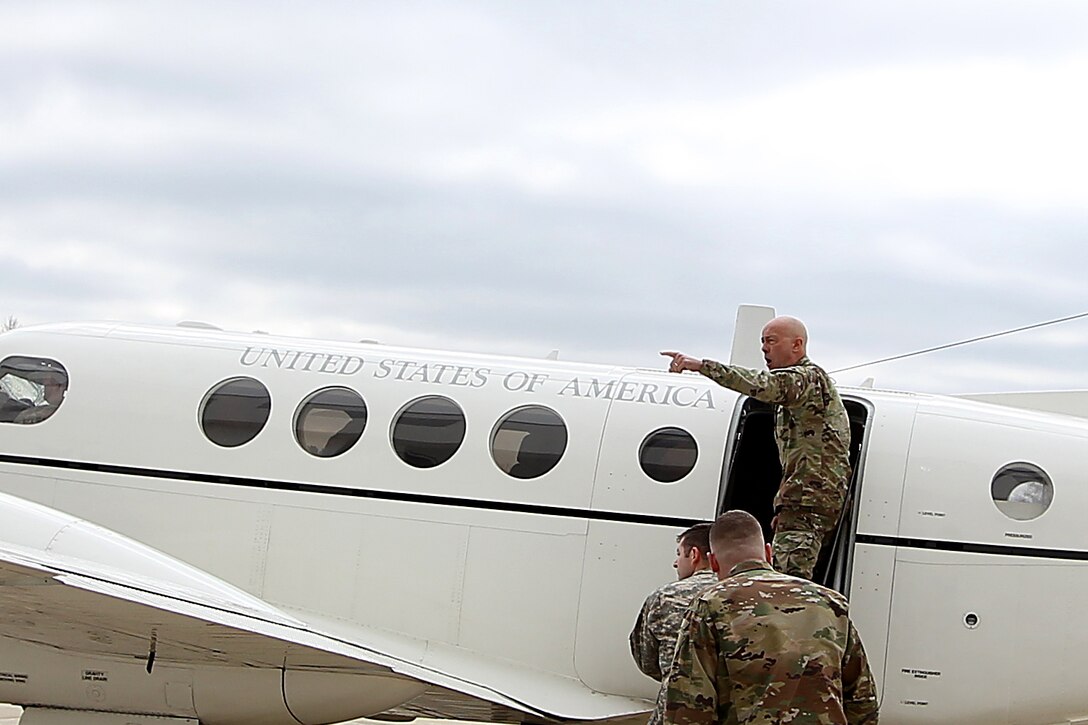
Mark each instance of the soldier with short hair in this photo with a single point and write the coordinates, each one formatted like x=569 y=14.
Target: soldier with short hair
x=813 y=435
x=765 y=648
x=654 y=635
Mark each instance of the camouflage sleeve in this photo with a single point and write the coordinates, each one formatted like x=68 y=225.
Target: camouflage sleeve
x=644 y=647
x=859 y=690
x=782 y=387
x=691 y=689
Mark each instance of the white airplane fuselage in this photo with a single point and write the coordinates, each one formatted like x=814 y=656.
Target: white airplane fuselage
x=969 y=604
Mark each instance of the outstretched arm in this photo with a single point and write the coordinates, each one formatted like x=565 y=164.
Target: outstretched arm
x=781 y=387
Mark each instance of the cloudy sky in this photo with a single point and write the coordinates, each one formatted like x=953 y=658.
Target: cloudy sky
x=608 y=178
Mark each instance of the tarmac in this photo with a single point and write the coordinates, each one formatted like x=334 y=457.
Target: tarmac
x=9 y=715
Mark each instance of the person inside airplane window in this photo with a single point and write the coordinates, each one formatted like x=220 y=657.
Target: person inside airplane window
x=813 y=435
x=53 y=389
x=762 y=646
x=654 y=635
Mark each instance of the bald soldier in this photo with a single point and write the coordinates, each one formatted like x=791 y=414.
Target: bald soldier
x=653 y=637
x=765 y=648
x=813 y=435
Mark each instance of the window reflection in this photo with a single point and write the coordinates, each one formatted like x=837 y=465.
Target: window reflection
x=528 y=442
x=428 y=431
x=668 y=454
x=235 y=411
x=330 y=422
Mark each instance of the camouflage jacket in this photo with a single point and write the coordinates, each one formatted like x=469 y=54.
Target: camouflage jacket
x=764 y=648
x=654 y=637
x=812 y=429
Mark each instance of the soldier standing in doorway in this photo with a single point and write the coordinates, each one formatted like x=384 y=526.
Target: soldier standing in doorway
x=813 y=435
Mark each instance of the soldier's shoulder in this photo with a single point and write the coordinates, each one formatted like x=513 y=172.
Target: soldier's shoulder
x=814 y=371
x=688 y=588
x=835 y=600
x=805 y=372
x=816 y=594
x=818 y=383
x=736 y=587
x=682 y=590
x=774 y=587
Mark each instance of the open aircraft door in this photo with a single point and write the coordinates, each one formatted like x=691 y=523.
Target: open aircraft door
x=664 y=426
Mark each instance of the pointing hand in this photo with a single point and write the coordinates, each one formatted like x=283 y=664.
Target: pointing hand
x=681 y=362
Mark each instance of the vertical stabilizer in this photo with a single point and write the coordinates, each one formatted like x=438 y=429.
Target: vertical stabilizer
x=746 y=333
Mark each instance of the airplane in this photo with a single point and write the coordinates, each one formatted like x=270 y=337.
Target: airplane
x=202 y=526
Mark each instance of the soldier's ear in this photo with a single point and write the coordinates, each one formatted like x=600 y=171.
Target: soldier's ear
x=713 y=562
x=767 y=553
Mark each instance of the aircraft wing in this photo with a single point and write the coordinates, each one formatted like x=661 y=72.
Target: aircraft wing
x=72 y=605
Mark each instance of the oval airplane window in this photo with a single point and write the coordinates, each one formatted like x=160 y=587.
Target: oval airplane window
x=330 y=422
x=428 y=431
x=668 y=454
x=1022 y=491
x=529 y=441
x=235 y=411
x=31 y=389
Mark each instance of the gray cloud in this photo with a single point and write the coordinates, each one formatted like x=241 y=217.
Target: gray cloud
x=608 y=178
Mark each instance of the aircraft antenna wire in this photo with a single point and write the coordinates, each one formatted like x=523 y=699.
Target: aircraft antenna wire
x=963 y=342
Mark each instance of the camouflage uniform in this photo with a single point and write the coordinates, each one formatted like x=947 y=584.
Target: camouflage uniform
x=764 y=648
x=654 y=636
x=813 y=433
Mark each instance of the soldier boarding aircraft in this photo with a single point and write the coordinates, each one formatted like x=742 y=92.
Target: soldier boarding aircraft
x=199 y=526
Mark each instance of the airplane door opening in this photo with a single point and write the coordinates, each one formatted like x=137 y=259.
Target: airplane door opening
x=753 y=473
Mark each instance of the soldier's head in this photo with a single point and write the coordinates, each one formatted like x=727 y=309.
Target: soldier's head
x=692 y=551
x=784 y=341
x=736 y=536
x=53 y=387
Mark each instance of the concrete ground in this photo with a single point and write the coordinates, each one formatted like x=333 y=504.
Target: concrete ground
x=9 y=715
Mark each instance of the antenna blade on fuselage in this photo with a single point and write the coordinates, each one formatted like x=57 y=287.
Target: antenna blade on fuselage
x=746 y=349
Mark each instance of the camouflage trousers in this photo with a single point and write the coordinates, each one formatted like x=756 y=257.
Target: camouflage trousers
x=798 y=537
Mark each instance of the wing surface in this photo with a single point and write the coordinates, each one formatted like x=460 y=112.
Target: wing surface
x=76 y=606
